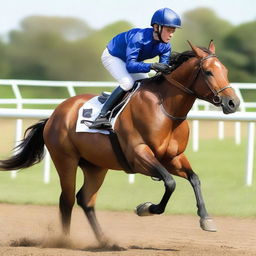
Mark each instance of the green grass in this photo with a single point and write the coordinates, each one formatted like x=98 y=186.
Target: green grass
x=219 y=164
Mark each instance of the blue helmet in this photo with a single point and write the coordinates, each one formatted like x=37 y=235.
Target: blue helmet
x=166 y=17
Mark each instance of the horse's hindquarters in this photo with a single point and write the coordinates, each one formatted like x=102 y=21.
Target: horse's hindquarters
x=96 y=149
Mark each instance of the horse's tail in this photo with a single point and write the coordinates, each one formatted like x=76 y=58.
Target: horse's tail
x=30 y=150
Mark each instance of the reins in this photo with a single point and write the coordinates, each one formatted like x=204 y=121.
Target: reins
x=180 y=86
x=195 y=76
x=175 y=118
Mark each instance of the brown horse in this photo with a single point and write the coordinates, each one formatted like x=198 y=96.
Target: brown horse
x=152 y=131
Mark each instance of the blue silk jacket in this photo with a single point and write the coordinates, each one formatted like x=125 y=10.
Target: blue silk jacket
x=137 y=45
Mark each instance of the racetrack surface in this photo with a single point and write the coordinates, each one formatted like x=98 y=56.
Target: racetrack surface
x=34 y=231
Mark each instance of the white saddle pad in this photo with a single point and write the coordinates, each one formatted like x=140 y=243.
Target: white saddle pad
x=90 y=110
x=87 y=114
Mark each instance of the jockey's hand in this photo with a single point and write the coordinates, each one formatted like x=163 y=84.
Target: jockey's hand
x=161 y=67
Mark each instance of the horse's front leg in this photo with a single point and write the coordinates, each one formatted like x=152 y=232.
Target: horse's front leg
x=146 y=160
x=206 y=222
x=180 y=166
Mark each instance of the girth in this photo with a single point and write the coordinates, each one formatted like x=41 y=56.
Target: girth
x=119 y=152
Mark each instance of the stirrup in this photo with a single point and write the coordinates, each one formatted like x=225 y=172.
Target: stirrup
x=101 y=122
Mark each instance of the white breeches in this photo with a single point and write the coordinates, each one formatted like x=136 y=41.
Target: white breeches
x=117 y=68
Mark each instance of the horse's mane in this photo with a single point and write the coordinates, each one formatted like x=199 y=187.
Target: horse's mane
x=176 y=59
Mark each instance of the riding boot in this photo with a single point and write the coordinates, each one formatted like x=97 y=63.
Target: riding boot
x=102 y=120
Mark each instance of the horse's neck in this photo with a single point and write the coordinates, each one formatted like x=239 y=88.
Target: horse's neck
x=177 y=103
x=175 y=100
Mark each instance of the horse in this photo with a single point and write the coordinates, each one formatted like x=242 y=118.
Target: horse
x=152 y=131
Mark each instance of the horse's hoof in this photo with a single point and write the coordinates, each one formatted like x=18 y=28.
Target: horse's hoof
x=208 y=224
x=143 y=209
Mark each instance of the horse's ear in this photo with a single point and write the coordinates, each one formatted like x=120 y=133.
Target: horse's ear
x=211 y=47
x=198 y=52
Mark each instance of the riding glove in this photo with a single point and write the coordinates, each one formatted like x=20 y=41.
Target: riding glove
x=161 y=67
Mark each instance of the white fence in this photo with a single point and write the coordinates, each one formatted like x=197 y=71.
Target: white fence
x=19 y=113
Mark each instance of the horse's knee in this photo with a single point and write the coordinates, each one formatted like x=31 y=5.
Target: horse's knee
x=170 y=185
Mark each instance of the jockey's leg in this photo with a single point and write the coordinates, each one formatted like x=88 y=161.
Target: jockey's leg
x=117 y=68
x=102 y=120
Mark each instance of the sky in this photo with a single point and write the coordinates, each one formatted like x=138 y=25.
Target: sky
x=99 y=13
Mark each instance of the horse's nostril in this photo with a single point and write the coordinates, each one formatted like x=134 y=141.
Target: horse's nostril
x=231 y=104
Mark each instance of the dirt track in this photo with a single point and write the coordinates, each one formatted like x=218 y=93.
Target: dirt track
x=34 y=231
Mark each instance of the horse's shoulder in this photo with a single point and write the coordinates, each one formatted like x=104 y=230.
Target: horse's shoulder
x=144 y=95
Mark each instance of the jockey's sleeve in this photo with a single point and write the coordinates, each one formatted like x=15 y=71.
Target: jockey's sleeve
x=165 y=57
x=140 y=49
x=132 y=63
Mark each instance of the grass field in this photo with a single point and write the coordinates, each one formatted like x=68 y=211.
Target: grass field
x=219 y=164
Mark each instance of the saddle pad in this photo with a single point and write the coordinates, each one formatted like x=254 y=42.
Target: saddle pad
x=88 y=113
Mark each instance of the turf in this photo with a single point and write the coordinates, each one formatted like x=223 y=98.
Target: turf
x=219 y=164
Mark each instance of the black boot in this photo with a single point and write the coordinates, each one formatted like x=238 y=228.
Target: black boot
x=102 y=120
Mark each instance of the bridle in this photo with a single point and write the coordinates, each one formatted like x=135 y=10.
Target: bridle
x=216 y=99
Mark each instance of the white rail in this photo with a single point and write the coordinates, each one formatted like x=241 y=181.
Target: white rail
x=19 y=113
x=193 y=115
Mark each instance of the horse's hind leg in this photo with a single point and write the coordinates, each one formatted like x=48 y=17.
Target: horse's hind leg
x=66 y=167
x=86 y=196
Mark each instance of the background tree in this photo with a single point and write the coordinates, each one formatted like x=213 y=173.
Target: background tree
x=55 y=48
x=4 y=64
x=52 y=48
x=241 y=52
x=200 y=26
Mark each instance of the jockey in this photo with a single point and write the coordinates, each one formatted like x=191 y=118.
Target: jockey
x=125 y=53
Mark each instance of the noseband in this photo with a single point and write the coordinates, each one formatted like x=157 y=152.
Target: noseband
x=216 y=99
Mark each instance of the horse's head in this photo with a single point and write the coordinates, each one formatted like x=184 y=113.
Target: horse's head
x=211 y=80
x=200 y=73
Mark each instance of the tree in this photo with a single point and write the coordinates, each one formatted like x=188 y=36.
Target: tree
x=30 y=54
x=200 y=26
x=56 y=48
x=4 y=65
x=68 y=28
x=42 y=49
x=235 y=46
x=241 y=55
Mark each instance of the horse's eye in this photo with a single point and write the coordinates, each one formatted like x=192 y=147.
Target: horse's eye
x=208 y=73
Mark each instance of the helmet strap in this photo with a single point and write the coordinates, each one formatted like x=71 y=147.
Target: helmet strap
x=159 y=33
